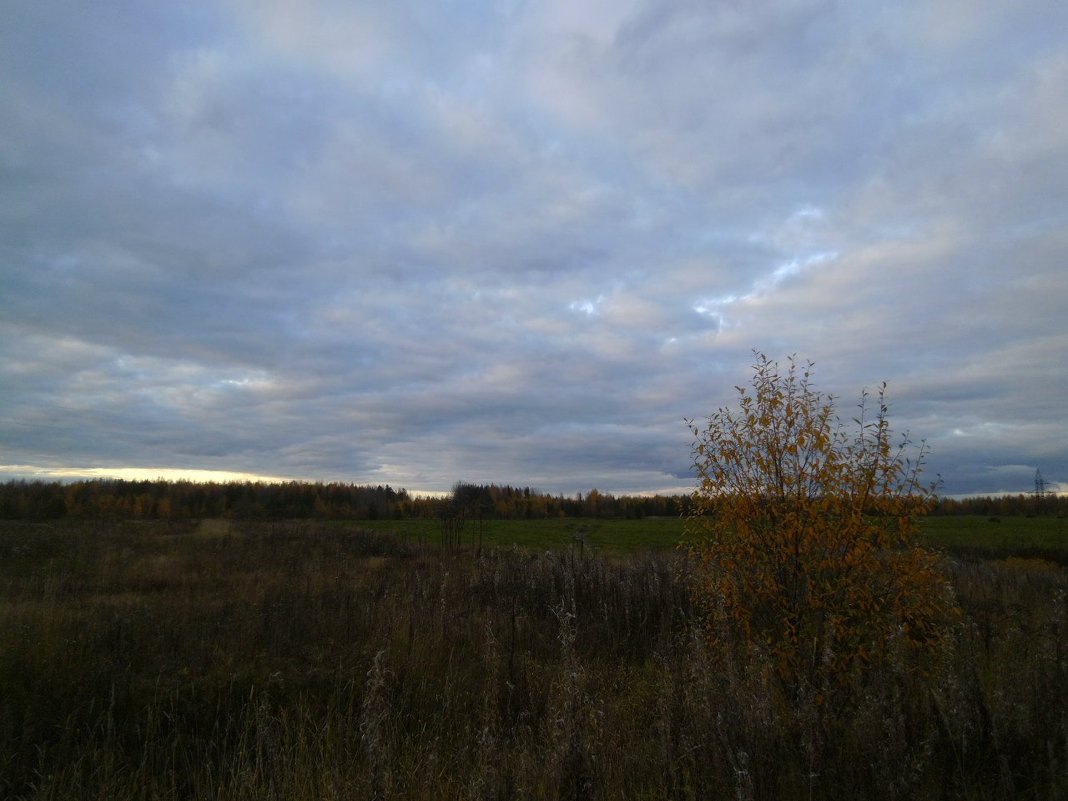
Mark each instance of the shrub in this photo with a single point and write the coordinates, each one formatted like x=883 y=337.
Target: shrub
x=808 y=555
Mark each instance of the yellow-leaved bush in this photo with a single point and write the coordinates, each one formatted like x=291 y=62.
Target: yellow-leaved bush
x=806 y=534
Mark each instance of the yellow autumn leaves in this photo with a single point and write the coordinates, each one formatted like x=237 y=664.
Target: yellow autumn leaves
x=807 y=531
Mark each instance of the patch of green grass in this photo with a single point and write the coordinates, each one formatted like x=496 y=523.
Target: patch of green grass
x=963 y=534
x=1043 y=537
x=611 y=536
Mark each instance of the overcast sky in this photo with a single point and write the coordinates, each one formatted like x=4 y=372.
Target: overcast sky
x=420 y=242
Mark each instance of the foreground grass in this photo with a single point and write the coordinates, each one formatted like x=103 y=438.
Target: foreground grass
x=306 y=661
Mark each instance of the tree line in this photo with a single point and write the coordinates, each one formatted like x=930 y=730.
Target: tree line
x=183 y=500
x=1004 y=505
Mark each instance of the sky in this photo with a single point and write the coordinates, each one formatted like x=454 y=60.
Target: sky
x=414 y=243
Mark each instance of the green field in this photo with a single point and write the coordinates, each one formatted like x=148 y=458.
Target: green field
x=994 y=537
x=599 y=535
x=1045 y=537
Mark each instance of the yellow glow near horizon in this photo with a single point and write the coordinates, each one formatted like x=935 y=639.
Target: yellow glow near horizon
x=38 y=473
x=138 y=474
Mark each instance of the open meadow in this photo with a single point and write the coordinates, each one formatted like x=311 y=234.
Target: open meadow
x=963 y=535
x=561 y=659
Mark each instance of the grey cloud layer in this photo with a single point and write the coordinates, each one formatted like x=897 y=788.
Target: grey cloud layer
x=414 y=243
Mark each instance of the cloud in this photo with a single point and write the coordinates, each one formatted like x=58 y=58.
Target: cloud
x=414 y=243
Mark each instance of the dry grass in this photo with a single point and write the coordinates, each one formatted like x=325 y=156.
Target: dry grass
x=305 y=662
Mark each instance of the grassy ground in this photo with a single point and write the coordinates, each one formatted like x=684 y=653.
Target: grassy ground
x=312 y=661
x=1035 y=537
x=1039 y=537
x=617 y=536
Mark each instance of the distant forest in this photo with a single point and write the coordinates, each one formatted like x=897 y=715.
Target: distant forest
x=179 y=500
x=183 y=500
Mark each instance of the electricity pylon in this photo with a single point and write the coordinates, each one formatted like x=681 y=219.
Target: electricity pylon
x=1040 y=490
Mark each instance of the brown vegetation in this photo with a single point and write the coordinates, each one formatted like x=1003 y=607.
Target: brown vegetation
x=299 y=661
